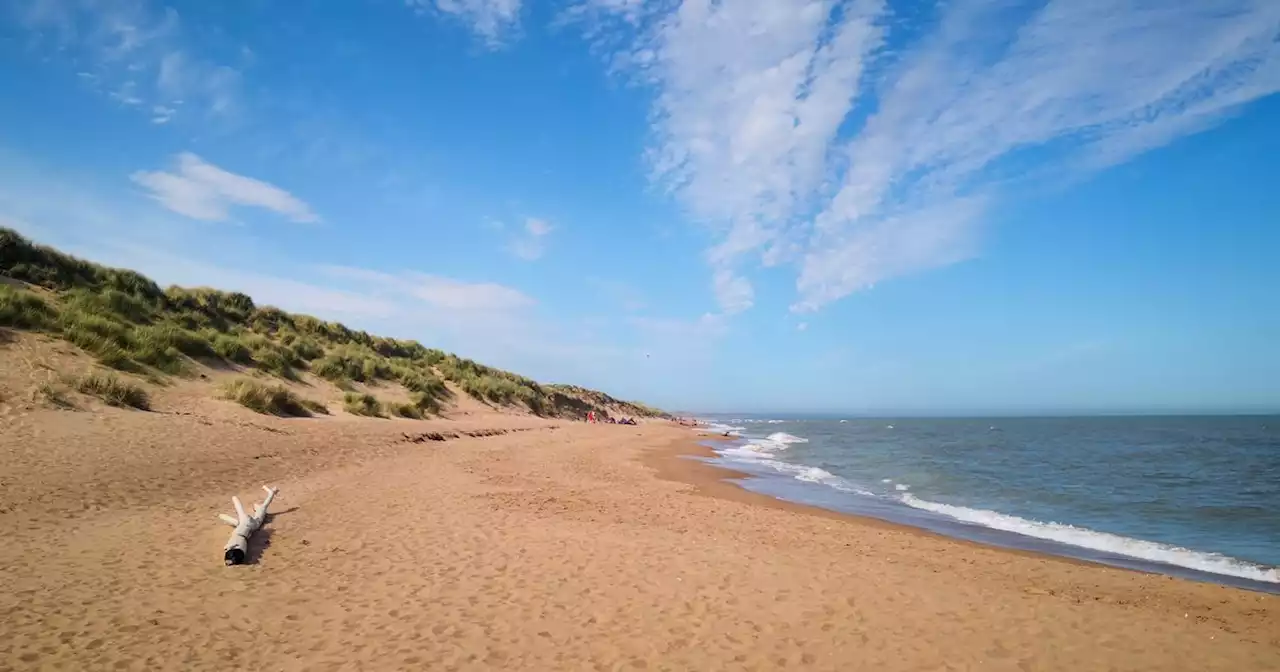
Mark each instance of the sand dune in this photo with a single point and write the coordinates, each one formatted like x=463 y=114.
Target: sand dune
x=560 y=546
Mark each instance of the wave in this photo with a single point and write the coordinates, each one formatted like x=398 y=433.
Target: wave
x=760 y=453
x=1213 y=563
x=773 y=443
x=719 y=428
x=751 y=454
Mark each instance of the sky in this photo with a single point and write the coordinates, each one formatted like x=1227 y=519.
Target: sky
x=861 y=207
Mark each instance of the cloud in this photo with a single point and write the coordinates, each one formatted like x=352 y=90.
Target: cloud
x=850 y=258
x=749 y=97
x=803 y=326
x=733 y=292
x=454 y=295
x=161 y=114
x=132 y=52
x=859 y=147
x=201 y=190
x=470 y=299
x=492 y=20
x=530 y=243
x=537 y=227
x=180 y=77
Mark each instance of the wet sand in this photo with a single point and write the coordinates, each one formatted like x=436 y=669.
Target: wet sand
x=557 y=546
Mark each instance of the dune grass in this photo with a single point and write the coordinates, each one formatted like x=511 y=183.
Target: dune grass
x=113 y=391
x=405 y=411
x=127 y=322
x=21 y=309
x=357 y=403
x=54 y=394
x=270 y=399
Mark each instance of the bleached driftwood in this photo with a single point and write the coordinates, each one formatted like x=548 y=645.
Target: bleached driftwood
x=238 y=545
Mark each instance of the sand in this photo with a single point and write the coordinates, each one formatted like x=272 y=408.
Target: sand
x=554 y=545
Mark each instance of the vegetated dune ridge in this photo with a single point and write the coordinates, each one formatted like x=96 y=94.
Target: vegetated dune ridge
x=486 y=537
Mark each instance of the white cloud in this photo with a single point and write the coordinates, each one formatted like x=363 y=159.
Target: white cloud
x=135 y=53
x=531 y=243
x=455 y=295
x=180 y=77
x=161 y=114
x=733 y=292
x=803 y=326
x=856 y=257
x=861 y=149
x=201 y=190
x=492 y=20
x=537 y=227
x=750 y=95
x=471 y=298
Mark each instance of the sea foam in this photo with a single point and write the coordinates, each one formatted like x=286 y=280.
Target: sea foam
x=764 y=455
x=1213 y=563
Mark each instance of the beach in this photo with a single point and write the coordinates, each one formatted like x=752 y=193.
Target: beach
x=535 y=544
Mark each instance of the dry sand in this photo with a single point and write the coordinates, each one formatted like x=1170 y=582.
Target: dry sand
x=560 y=546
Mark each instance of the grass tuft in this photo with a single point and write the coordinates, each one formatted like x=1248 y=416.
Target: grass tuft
x=22 y=309
x=354 y=363
x=115 y=392
x=306 y=349
x=357 y=403
x=275 y=362
x=54 y=394
x=164 y=359
x=167 y=335
x=405 y=411
x=232 y=349
x=317 y=407
x=426 y=403
x=270 y=399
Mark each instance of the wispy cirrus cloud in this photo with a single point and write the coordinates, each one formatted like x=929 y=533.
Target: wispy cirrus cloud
x=201 y=190
x=531 y=242
x=749 y=98
x=471 y=298
x=132 y=51
x=492 y=20
x=860 y=146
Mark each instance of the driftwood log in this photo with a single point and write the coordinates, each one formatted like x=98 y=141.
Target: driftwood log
x=237 y=547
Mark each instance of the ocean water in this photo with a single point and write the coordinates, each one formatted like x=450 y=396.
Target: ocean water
x=1197 y=497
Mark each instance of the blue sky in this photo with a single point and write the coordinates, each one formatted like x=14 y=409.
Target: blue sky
x=771 y=205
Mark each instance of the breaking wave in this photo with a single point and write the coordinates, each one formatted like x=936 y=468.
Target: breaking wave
x=1213 y=563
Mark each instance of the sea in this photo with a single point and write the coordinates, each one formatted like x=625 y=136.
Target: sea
x=1190 y=496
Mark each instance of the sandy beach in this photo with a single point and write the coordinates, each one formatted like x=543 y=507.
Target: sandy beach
x=540 y=545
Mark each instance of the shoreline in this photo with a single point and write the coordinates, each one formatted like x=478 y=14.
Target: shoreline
x=672 y=463
x=685 y=462
x=552 y=545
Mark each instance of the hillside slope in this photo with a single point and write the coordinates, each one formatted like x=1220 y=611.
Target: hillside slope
x=129 y=324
